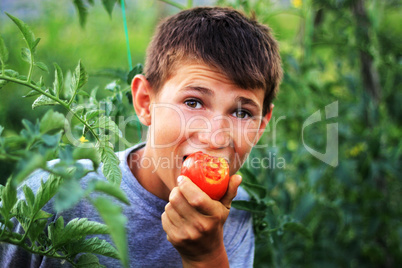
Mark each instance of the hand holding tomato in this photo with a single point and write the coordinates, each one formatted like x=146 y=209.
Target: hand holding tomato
x=194 y=222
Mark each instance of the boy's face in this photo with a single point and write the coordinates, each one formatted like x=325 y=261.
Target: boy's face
x=199 y=109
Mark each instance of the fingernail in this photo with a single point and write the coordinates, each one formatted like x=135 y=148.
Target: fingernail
x=179 y=180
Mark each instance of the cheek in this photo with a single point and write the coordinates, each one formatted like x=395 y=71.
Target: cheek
x=244 y=139
x=167 y=125
x=246 y=134
x=251 y=130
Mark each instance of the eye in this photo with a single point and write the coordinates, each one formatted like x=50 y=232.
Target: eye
x=242 y=114
x=195 y=104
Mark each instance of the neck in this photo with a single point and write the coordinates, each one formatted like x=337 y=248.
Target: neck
x=145 y=173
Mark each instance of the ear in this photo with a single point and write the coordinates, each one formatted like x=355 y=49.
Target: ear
x=264 y=122
x=141 y=90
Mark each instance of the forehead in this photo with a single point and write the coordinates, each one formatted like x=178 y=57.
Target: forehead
x=201 y=76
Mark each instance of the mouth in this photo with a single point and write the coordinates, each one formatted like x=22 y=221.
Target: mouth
x=185 y=157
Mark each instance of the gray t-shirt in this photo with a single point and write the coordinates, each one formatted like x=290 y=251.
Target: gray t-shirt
x=147 y=243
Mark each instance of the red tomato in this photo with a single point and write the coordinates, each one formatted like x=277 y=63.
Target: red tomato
x=209 y=173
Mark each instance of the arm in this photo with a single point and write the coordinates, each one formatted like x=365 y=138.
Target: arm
x=194 y=223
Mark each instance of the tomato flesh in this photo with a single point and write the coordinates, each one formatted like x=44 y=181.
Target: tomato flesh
x=209 y=173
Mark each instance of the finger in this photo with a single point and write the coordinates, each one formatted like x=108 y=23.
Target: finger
x=173 y=216
x=169 y=228
x=195 y=197
x=178 y=207
x=234 y=183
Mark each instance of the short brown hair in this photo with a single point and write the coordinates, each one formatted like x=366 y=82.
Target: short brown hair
x=239 y=47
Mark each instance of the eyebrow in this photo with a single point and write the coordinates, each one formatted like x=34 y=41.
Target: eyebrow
x=202 y=90
x=247 y=101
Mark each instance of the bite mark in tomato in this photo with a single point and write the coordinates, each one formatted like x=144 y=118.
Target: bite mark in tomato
x=208 y=172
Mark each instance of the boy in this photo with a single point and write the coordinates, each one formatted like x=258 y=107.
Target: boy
x=210 y=77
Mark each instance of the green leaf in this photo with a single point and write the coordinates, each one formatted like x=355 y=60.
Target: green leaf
x=251 y=206
x=105 y=122
x=248 y=176
x=66 y=89
x=58 y=80
x=116 y=221
x=41 y=84
x=69 y=194
x=108 y=5
x=26 y=55
x=93 y=245
x=51 y=121
x=83 y=93
x=27 y=165
x=31 y=94
x=110 y=189
x=87 y=153
x=37 y=228
x=29 y=196
x=110 y=167
x=26 y=32
x=40 y=215
x=11 y=73
x=88 y=261
x=55 y=228
x=82 y=11
x=3 y=83
x=79 y=79
x=77 y=229
x=35 y=44
x=8 y=199
x=91 y=114
x=255 y=190
x=138 y=69
x=3 y=51
x=43 y=100
x=46 y=191
x=42 y=66
x=9 y=224
x=298 y=228
x=22 y=212
x=32 y=223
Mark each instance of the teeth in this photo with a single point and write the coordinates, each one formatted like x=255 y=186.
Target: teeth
x=184 y=158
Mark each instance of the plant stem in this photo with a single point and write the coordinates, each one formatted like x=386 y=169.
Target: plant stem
x=38 y=252
x=172 y=3
x=50 y=96
x=26 y=232
x=30 y=68
x=9 y=157
x=2 y=67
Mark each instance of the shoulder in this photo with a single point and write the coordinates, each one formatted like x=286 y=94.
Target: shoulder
x=241 y=194
x=239 y=234
x=240 y=218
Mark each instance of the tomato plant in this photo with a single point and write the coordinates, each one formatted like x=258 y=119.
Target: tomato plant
x=208 y=172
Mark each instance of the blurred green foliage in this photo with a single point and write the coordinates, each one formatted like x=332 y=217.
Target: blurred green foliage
x=308 y=213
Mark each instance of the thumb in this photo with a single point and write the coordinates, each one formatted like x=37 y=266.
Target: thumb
x=234 y=183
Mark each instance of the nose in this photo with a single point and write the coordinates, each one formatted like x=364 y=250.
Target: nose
x=218 y=134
